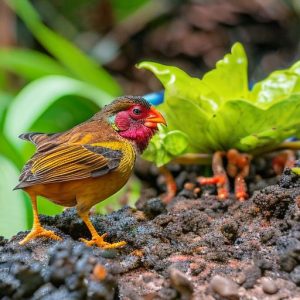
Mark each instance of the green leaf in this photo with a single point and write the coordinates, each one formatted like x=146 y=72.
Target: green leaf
x=277 y=86
x=244 y=126
x=164 y=146
x=175 y=142
x=296 y=170
x=229 y=79
x=36 y=98
x=13 y=212
x=181 y=86
x=186 y=116
x=69 y=55
x=30 y=64
x=5 y=99
x=124 y=9
x=9 y=151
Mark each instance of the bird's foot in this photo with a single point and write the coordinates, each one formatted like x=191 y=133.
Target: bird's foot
x=99 y=241
x=37 y=232
x=170 y=185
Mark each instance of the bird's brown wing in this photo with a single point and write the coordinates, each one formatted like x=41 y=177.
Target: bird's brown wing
x=42 y=141
x=68 y=162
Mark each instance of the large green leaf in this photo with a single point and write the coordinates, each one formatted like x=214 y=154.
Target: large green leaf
x=69 y=55
x=37 y=96
x=229 y=80
x=179 y=84
x=186 y=116
x=277 y=86
x=242 y=125
x=30 y=64
x=13 y=213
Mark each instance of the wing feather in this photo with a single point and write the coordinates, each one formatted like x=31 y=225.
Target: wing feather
x=69 y=162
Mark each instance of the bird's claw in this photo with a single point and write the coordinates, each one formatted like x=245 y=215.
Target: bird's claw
x=99 y=241
x=39 y=232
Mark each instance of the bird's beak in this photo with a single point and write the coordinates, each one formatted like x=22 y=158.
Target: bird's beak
x=154 y=118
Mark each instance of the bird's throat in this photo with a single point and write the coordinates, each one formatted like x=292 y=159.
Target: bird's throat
x=141 y=137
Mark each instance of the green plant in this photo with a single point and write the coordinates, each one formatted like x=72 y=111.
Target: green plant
x=219 y=112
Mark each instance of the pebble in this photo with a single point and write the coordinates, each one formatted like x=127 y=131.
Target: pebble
x=295 y=275
x=269 y=286
x=181 y=283
x=189 y=186
x=241 y=278
x=225 y=287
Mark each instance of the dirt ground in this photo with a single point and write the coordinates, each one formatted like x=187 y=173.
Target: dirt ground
x=193 y=248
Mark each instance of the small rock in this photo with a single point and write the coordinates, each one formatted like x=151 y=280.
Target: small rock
x=154 y=207
x=295 y=275
x=241 y=278
x=181 y=283
x=269 y=286
x=225 y=287
x=252 y=274
x=189 y=186
x=230 y=230
x=287 y=263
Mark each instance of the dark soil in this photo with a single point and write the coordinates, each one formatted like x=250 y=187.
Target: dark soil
x=193 y=248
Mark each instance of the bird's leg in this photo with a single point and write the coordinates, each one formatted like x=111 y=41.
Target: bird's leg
x=37 y=229
x=283 y=160
x=170 y=184
x=97 y=239
x=238 y=167
x=220 y=178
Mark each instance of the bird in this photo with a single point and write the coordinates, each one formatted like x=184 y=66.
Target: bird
x=88 y=163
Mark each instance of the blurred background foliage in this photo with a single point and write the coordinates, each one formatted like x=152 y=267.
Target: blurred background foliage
x=60 y=61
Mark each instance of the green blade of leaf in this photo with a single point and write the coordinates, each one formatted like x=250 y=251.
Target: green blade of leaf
x=37 y=96
x=13 y=213
x=10 y=152
x=30 y=64
x=69 y=55
x=5 y=99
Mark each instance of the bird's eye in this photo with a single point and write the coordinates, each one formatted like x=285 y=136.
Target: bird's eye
x=136 y=111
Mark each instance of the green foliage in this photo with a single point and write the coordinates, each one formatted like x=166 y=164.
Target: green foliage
x=58 y=92
x=219 y=112
x=296 y=170
x=123 y=9
x=70 y=56
x=166 y=145
x=30 y=64
x=12 y=220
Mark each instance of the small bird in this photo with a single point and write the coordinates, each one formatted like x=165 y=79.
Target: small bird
x=88 y=163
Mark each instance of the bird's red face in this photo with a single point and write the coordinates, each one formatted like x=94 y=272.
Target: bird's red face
x=138 y=123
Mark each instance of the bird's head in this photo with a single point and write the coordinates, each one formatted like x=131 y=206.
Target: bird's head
x=134 y=119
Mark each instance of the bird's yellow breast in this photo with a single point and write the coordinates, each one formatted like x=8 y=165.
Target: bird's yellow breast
x=85 y=193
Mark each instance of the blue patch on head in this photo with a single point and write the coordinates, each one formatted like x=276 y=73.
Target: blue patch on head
x=155 y=98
